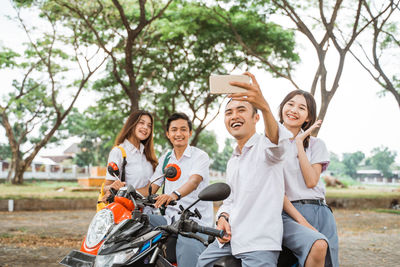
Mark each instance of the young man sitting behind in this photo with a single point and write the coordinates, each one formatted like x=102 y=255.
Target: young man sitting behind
x=194 y=164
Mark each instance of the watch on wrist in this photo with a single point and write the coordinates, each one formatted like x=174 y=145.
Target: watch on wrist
x=177 y=194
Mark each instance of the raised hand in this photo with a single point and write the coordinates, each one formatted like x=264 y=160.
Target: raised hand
x=301 y=136
x=253 y=94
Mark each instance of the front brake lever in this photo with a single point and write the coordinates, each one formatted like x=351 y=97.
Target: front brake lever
x=192 y=235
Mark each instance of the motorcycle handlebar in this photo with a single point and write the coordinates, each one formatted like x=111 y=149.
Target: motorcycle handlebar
x=194 y=227
x=211 y=231
x=151 y=200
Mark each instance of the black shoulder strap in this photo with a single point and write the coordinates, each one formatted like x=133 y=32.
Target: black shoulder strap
x=166 y=160
x=123 y=163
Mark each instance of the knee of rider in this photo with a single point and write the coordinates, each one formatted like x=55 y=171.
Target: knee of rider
x=320 y=246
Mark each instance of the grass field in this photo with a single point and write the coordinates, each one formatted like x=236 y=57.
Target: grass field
x=364 y=192
x=48 y=189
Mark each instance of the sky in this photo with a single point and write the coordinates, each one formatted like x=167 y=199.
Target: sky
x=357 y=119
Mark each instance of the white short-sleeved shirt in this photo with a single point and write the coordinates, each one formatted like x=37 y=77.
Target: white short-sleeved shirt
x=256 y=201
x=295 y=186
x=138 y=169
x=193 y=161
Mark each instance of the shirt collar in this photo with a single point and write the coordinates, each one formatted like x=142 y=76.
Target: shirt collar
x=131 y=147
x=187 y=152
x=251 y=142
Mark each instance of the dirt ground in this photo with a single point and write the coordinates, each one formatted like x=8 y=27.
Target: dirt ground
x=367 y=238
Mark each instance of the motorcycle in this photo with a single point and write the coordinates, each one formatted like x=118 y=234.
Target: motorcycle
x=150 y=249
x=125 y=211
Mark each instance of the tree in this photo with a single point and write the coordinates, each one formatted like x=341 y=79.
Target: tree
x=351 y=161
x=382 y=158
x=384 y=48
x=173 y=59
x=95 y=145
x=221 y=159
x=327 y=32
x=43 y=97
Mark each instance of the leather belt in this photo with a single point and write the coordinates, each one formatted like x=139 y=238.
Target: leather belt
x=320 y=202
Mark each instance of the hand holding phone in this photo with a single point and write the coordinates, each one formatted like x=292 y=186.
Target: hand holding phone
x=219 y=84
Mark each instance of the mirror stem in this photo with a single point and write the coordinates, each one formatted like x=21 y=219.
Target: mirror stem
x=194 y=203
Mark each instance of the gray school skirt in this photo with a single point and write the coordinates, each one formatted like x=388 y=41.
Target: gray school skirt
x=299 y=239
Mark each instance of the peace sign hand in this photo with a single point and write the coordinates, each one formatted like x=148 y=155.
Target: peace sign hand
x=253 y=93
x=301 y=136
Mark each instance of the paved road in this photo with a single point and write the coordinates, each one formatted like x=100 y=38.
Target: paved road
x=42 y=238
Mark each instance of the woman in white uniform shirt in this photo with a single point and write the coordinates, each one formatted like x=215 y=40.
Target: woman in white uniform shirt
x=309 y=228
x=136 y=137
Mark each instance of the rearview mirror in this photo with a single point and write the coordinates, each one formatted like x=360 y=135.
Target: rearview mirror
x=215 y=192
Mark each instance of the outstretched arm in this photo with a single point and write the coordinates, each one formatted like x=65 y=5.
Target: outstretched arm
x=254 y=96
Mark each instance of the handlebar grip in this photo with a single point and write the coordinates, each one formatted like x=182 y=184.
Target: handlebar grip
x=113 y=192
x=211 y=231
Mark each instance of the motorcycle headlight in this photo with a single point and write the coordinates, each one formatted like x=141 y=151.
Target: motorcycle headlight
x=99 y=227
x=116 y=258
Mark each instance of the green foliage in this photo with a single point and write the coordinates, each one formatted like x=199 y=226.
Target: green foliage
x=388 y=211
x=351 y=161
x=382 y=158
x=5 y=152
x=172 y=61
x=7 y=58
x=53 y=70
x=221 y=159
x=348 y=181
x=95 y=145
x=336 y=167
x=208 y=143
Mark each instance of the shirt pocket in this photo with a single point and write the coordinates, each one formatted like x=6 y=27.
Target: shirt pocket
x=250 y=178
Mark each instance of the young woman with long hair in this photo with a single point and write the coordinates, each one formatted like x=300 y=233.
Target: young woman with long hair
x=136 y=138
x=308 y=223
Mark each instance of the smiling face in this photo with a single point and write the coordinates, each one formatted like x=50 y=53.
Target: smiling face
x=179 y=133
x=240 y=119
x=295 y=112
x=143 y=128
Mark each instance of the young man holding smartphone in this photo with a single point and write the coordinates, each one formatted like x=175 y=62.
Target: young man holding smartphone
x=251 y=216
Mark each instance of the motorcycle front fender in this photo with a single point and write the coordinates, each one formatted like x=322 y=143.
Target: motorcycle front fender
x=78 y=258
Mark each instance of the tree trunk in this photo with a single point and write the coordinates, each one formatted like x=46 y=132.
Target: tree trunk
x=10 y=171
x=19 y=174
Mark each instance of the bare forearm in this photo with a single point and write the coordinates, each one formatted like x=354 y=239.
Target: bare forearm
x=190 y=185
x=310 y=174
x=271 y=126
x=292 y=211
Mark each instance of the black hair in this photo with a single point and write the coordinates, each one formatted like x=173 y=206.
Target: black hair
x=255 y=110
x=311 y=109
x=177 y=116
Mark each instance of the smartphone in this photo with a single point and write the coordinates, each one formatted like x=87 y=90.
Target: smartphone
x=219 y=84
